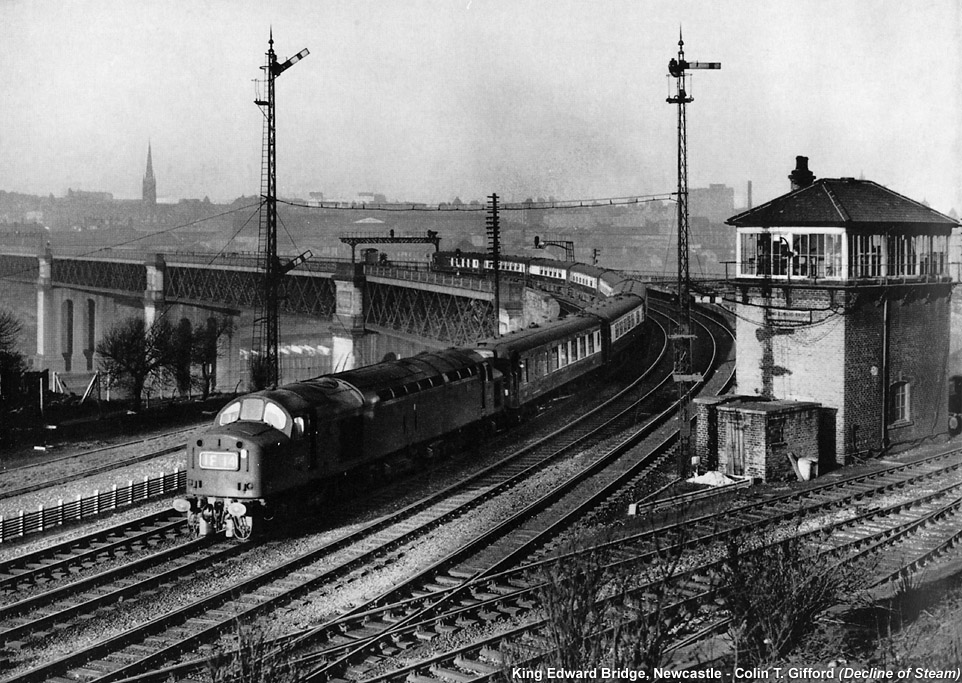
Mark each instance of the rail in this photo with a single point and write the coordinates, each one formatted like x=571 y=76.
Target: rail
x=46 y=518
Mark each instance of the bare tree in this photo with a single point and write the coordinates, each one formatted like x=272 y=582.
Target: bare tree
x=12 y=366
x=181 y=356
x=12 y=362
x=776 y=592
x=617 y=615
x=131 y=353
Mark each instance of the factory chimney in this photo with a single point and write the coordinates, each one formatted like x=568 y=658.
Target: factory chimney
x=801 y=177
x=749 y=194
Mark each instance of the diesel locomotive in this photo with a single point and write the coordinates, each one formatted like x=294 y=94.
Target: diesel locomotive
x=268 y=447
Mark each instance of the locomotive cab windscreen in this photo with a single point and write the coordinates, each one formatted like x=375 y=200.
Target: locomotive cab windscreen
x=260 y=409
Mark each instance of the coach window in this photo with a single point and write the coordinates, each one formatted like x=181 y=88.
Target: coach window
x=591 y=343
x=563 y=361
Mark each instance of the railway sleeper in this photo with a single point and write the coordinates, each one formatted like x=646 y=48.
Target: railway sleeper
x=379 y=624
x=362 y=633
x=492 y=655
x=476 y=665
x=448 y=580
x=425 y=634
x=452 y=674
x=357 y=671
x=122 y=658
x=489 y=615
x=507 y=609
x=466 y=622
x=402 y=641
x=87 y=672
x=501 y=588
x=421 y=678
x=423 y=592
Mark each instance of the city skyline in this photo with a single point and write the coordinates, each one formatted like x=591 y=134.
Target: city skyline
x=432 y=100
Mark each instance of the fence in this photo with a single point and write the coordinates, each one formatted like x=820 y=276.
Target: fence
x=90 y=506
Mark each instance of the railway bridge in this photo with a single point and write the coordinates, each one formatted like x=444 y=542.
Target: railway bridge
x=80 y=297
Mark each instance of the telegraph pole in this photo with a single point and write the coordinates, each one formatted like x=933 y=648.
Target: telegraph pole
x=682 y=336
x=493 y=224
x=264 y=359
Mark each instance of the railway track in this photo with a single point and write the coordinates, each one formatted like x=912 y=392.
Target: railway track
x=512 y=594
x=60 y=560
x=381 y=546
x=201 y=631
x=17 y=480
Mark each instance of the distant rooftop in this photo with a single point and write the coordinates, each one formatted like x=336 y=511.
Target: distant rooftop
x=845 y=202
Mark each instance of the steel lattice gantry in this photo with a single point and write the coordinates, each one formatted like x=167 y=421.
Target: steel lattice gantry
x=435 y=312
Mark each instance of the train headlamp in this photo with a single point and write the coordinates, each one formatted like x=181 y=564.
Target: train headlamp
x=237 y=509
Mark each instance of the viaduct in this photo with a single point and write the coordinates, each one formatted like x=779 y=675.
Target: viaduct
x=79 y=298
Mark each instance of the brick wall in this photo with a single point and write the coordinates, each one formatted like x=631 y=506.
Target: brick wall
x=919 y=344
x=804 y=363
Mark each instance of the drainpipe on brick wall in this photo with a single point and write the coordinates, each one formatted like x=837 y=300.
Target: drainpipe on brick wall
x=885 y=371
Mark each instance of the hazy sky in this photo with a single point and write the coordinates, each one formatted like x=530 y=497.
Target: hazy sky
x=425 y=100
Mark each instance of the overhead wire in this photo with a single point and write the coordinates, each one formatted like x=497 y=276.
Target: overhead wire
x=507 y=206
x=141 y=237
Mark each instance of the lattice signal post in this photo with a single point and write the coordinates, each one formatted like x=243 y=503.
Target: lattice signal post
x=682 y=335
x=264 y=360
x=493 y=224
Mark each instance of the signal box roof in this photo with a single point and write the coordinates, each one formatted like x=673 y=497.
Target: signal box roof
x=858 y=205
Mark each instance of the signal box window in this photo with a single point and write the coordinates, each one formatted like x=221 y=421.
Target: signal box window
x=900 y=411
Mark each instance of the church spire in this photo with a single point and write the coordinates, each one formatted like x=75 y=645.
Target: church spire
x=150 y=183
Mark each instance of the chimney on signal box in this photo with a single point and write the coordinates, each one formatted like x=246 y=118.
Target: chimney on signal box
x=801 y=177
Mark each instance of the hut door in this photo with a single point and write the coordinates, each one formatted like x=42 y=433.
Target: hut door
x=735 y=446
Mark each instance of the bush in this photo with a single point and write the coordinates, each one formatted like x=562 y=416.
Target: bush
x=775 y=594
x=258 y=657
